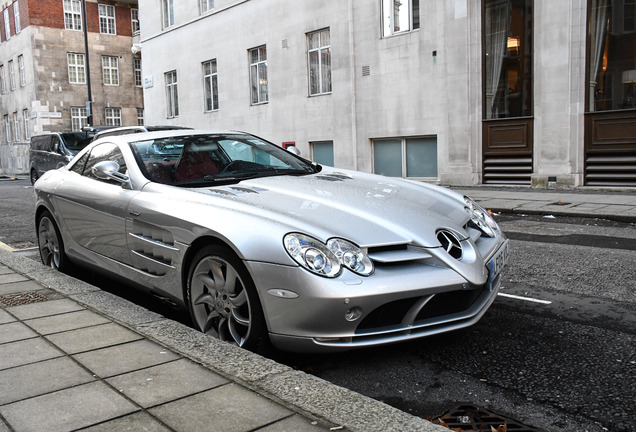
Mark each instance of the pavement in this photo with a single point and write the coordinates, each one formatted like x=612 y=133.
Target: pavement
x=74 y=357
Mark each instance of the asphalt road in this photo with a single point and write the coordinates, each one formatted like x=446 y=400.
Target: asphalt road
x=556 y=352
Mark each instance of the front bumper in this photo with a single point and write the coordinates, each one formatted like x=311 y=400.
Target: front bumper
x=396 y=303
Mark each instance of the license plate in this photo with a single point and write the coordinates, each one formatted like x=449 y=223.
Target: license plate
x=498 y=261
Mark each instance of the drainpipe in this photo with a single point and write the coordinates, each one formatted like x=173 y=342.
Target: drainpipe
x=89 y=100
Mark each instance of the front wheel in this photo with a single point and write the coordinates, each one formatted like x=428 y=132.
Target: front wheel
x=222 y=298
x=50 y=243
x=34 y=176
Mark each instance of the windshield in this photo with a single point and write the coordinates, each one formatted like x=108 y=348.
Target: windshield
x=204 y=160
x=75 y=141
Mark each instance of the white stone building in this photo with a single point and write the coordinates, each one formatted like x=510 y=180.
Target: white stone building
x=459 y=92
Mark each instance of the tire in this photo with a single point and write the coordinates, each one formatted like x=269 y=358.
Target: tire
x=222 y=298
x=34 y=176
x=50 y=243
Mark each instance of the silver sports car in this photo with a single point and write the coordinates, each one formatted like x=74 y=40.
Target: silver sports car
x=261 y=245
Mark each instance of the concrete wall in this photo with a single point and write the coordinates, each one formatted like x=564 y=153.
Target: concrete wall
x=427 y=82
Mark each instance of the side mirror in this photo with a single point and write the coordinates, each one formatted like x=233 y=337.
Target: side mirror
x=294 y=150
x=109 y=170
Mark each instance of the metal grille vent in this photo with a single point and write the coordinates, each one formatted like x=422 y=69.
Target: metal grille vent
x=366 y=70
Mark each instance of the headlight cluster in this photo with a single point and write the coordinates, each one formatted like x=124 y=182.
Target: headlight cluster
x=327 y=259
x=481 y=218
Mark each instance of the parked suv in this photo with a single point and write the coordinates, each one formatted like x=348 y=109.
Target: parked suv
x=54 y=150
x=125 y=130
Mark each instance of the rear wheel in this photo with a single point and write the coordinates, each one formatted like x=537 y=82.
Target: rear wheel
x=222 y=298
x=50 y=243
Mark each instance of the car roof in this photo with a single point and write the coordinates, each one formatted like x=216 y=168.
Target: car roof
x=143 y=136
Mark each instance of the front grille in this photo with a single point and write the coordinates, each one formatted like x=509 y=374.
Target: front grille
x=389 y=316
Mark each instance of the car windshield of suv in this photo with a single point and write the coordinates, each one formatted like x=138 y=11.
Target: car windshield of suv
x=205 y=160
x=75 y=141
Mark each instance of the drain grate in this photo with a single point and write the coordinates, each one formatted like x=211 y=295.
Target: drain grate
x=22 y=298
x=471 y=418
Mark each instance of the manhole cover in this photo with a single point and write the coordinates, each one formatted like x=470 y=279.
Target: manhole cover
x=21 y=298
x=470 y=418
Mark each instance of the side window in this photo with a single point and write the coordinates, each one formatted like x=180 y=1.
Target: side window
x=55 y=144
x=104 y=152
x=42 y=143
x=78 y=166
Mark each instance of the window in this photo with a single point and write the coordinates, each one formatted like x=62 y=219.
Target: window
x=7 y=28
x=16 y=16
x=113 y=116
x=11 y=75
x=72 y=14
x=16 y=127
x=107 y=19
x=110 y=70
x=611 y=65
x=27 y=130
x=137 y=71
x=140 y=116
x=167 y=12
x=507 y=46
x=399 y=16
x=7 y=127
x=210 y=86
x=172 y=95
x=207 y=5
x=319 y=61
x=78 y=118
x=3 y=80
x=100 y=153
x=76 y=68
x=258 y=75
x=406 y=157
x=22 y=72
x=322 y=152
x=134 y=20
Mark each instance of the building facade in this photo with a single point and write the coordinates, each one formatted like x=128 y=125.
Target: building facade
x=45 y=73
x=459 y=92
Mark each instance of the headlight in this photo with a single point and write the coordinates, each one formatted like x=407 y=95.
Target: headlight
x=327 y=260
x=481 y=218
x=351 y=256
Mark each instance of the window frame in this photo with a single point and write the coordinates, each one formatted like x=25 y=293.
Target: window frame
x=22 y=70
x=16 y=126
x=110 y=71
x=172 y=94
x=210 y=86
x=12 y=85
x=322 y=87
x=167 y=13
x=107 y=22
x=140 y=117
x=137 y=75
x=7 y=126
x=72 y=15
x=134 y=20
x=25 y=119
x=112 y=116
x=16 y=16
x=7 y=24
x=206 y=6
x=404 y=156
x=3 y=80
x=258 y=70
x=79 y=118
x=74 y=66
x=388 y=22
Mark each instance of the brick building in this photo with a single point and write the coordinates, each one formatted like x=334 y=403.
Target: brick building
x=44 y=80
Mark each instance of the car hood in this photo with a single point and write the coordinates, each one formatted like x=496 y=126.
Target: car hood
x=367 y=209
